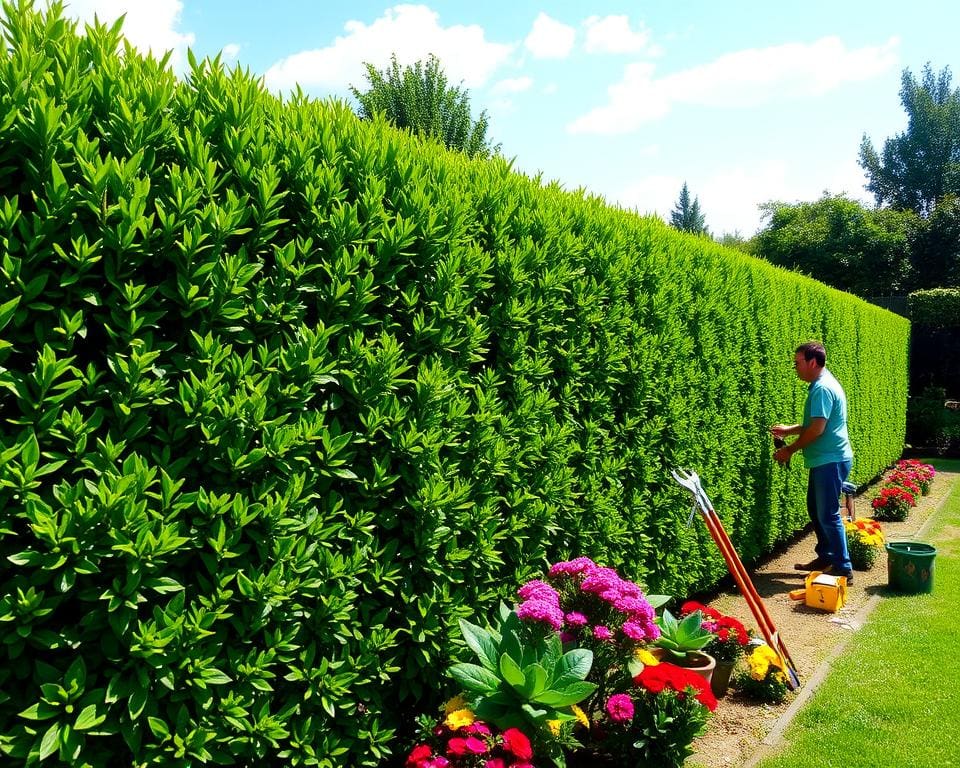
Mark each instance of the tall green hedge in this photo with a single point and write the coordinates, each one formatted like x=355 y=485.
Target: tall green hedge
x=284 y=394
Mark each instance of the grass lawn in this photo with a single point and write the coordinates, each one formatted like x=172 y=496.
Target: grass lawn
x=893 y=698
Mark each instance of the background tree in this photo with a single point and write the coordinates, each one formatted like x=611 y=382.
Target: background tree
x=936 y=252
x=842 y=243
x=419 y=98
x=686 y=216
x=921 y=165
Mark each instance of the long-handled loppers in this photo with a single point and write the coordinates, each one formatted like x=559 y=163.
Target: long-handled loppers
x=691 y=481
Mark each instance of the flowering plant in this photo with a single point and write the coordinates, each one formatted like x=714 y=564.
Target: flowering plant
x=764 y=679
x=730 y=636
x=922 y=474
x=565 y=670
x=594 y=609
x=892 y=503
x=524 y=678
x=864 y=540
x=654 y=721
x=905 y=480
x=459 y=740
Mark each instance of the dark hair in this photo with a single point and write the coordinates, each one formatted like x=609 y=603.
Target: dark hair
x=813 y=350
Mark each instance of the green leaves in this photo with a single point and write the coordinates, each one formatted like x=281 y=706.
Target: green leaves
x=680 y=637
x=521 y=675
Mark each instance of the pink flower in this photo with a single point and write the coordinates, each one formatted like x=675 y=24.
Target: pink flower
x=470 y=745
x=538 y=590
x=635 y=631
x=495 y=762
x=600 y=580
x=477 y=728
x=620 y=708
x=601 y=632
x=575 y=619
x=571 y=567
x=517 y=744
x=541 y=610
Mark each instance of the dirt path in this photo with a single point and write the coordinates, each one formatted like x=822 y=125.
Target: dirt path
x=738 y=727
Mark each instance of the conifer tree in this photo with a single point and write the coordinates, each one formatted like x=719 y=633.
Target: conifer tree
x=686 y=216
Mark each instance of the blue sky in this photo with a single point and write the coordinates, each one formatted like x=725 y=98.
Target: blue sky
x=745 y=101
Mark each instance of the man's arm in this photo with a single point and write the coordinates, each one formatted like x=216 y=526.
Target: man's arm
x=782 y=430
x=806 y=436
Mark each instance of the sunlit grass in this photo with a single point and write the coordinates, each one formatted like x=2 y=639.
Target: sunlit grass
x=893 y=698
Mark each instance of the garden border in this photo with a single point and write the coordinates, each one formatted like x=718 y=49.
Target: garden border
x=774 y=737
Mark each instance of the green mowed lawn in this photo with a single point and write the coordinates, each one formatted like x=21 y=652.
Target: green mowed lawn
x=893 y=698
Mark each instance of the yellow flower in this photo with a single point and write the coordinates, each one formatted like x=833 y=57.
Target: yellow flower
x=580 y=715
x=459 y=718
x=761 y=660
x=645 y=657
x=457 y=702
x=554 y=726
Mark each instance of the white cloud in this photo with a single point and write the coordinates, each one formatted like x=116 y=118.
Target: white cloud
x=412 y=32
x=730 y=199
x=149 y=26
x=550 y=39
x=744 y=78
x=513 y=85
x=230 y=51
x=612 y=34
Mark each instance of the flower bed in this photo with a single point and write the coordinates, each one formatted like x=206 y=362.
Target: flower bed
x=901 y=488
x=567 y=678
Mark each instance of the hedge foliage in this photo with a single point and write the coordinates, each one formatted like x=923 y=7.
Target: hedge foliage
x=284 y=394
x=937 y=307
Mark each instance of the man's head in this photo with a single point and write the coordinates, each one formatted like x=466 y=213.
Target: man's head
x=809 y=360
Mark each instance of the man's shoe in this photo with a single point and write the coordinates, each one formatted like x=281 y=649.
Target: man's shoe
x=834 y=572
x=817 y=564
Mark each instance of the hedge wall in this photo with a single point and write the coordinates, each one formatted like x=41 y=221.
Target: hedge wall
x=284 y=394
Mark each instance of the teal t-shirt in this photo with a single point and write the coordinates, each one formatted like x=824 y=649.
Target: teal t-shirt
x=826 y=400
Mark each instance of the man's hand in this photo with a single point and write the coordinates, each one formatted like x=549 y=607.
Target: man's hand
x=781 y=430
x=783 y=455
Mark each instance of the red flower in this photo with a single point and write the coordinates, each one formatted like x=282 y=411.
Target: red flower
x=730 y=624
x=470 y=745
x=517 y=744
x=495 y=762
x=692 y=606
x=418 y=755
x=669 y=676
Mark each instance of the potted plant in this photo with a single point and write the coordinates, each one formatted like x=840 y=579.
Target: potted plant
x=682 y=641
x=728 y=645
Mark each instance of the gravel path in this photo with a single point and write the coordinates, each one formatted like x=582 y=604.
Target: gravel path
x=738 y=729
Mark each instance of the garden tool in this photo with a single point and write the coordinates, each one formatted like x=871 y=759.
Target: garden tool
x=691 y=481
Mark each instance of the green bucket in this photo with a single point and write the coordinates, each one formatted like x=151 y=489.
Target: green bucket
x=910 y=566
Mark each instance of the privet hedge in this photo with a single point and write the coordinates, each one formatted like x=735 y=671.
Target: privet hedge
x=284 y=394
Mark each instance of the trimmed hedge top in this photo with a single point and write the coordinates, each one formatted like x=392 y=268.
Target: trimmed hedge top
x=285 y=394
x=938 y=307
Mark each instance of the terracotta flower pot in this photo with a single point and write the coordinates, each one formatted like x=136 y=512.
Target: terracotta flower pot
x=696 y=661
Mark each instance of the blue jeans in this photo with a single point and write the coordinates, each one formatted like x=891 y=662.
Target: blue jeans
x=823 y=506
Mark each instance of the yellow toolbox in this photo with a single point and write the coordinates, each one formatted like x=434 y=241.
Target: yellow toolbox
x=826 y=592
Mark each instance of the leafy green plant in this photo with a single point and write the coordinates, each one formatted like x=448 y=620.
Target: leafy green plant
x=680 y=638
x=524 y=677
